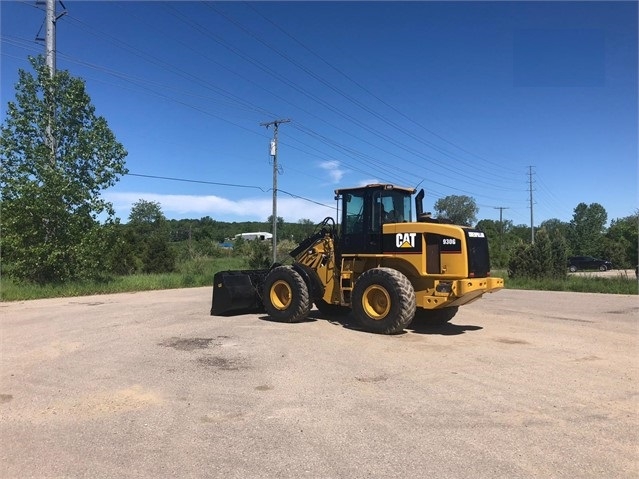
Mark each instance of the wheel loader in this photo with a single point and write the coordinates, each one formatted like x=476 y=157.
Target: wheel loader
x=378 y=263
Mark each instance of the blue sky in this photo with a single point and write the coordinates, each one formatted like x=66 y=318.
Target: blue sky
x=459 y=97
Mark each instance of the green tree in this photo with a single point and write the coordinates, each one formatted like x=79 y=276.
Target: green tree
x=546 y=258
x=57 y=156
x=521 y=232
x=622 y=240
x=269 y=222
x=296 y=232
x=126 y=253
x=542 y=254
x=587 y=229
x=615 y=252
x=258 y=254
x=151 y=237
x=460 y=209
x=555 y=226
x=284 y=248
x=559 y=253
x=148 y=214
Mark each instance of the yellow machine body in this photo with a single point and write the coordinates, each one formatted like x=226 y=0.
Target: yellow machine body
x=440 y=278
x=385 y=268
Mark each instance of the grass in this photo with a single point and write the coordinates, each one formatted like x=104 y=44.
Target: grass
x=200 y=270
x=620 y=284
x=192 y=273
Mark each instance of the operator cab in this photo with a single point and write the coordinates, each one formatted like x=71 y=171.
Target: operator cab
x=365 y=209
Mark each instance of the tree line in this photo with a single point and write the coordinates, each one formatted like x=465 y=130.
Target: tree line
x=585 y=234
x=512 y=246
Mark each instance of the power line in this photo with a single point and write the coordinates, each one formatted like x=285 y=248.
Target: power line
x=259 y=64
x=292 y=195
x=367 y=160
x=156 y=177
x=325 y=104
x=359 y=85
x=370 y=163
x=231 y=185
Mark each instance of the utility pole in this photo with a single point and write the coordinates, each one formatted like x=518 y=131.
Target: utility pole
x=50 y=51
x=501 y=225
x=532 y=225
x=50 y=38
x=273 y=151
x=50 y=43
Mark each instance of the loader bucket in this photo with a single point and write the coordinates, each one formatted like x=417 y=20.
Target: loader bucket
x=238 y=292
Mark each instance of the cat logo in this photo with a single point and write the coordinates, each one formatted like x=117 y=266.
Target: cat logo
x=405 y=240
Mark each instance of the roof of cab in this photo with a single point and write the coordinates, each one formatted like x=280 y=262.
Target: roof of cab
x=378 y=186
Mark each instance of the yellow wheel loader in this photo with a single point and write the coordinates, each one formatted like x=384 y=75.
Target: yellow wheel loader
x=378 y=264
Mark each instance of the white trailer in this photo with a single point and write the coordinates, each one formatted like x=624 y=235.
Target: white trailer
x=259 y=235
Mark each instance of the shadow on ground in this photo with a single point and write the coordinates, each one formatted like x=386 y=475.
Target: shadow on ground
x=309 y=319
x=418 y=327
x=447 y=329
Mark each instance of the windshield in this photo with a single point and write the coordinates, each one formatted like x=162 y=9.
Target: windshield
x=394 y=206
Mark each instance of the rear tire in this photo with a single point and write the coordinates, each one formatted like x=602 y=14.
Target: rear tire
x=573 y=268
x=286 y=295
x=383 y=301
x=435 y=317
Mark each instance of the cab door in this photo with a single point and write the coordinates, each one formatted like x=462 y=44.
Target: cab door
x=362 y=219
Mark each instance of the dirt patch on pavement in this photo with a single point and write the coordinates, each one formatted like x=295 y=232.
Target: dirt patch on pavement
x=187 y=344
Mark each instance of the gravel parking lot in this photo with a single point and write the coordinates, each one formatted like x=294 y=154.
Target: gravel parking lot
x=521 y=384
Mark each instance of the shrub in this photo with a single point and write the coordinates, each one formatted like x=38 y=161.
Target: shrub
x=546 y=258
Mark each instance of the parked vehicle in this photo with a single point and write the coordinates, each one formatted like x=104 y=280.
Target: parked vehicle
x=576 y=263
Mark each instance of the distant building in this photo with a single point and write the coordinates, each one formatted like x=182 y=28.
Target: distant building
x=259 y=235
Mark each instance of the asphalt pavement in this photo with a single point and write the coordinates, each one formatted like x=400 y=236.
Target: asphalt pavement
x=521 y=384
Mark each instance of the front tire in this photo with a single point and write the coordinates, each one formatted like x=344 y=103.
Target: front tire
x=286 y=295
x=383 y=301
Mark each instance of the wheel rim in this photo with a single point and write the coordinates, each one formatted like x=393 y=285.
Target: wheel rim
x=376 y=302
x=281 y=295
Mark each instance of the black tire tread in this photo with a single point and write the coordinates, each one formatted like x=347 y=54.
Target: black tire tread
x=300 y=305
x=402 y=294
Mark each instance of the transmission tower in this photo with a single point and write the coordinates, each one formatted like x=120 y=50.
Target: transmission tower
x=530 y=183
x=50 y=23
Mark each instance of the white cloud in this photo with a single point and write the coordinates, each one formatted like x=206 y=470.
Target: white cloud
x=333 y=169
x=223 y=209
